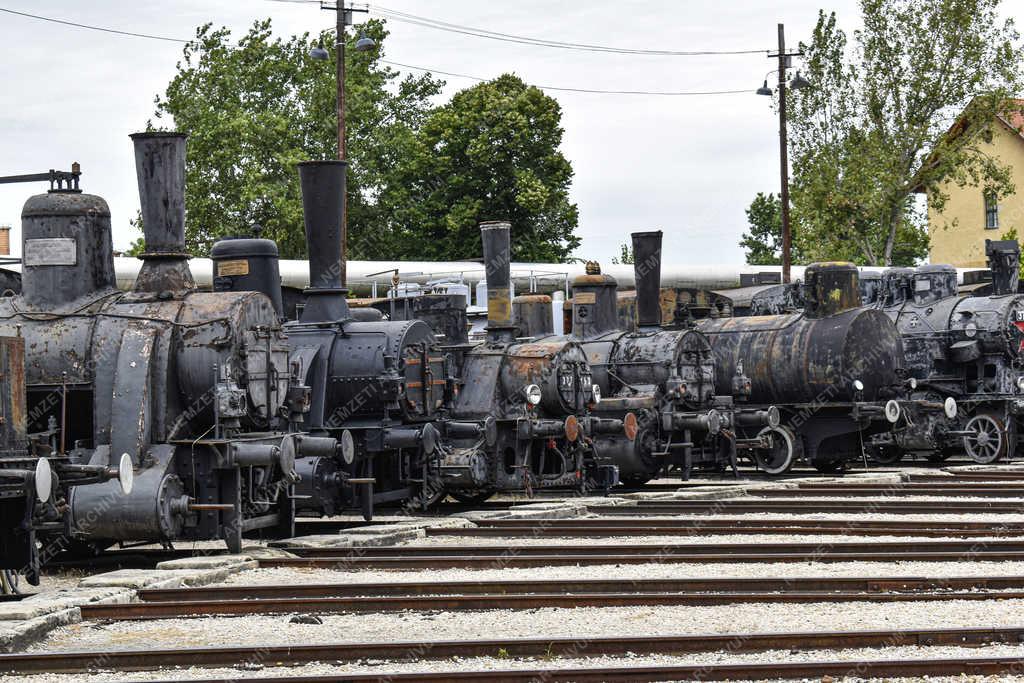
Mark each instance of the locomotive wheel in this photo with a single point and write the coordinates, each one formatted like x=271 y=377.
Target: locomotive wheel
x=987 y=441
x=779 y=456
x=470 y=498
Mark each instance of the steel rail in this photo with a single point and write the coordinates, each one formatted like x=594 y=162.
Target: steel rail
x=513 y=559
x=731 y=505
x=866 y=584
x=879 y=547
x=290 y=655
x=914 y=485
x=593 y=531
x=885 y=492
x=683 y=672
x=700 y=522
x=968 y=477
x=377 y=604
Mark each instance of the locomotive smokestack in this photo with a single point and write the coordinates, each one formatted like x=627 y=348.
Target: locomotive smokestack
x=1004 y=261
x=497 y=265
x=647 y=271
x=160 y=168
x=323 y=193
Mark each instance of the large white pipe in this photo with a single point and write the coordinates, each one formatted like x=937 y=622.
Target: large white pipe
x=544 y=277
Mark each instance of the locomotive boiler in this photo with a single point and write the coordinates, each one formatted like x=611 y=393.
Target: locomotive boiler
x=190 y=386
x=966 y=349
x=834 y=370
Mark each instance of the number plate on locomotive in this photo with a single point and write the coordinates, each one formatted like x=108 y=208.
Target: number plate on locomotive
x=52 y=251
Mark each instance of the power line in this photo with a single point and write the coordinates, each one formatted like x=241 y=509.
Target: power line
x=427 y=22
x=579 y=90
x=94 y=28
x=398 y=64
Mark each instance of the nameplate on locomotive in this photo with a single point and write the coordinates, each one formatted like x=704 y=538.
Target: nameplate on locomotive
x=237 y=267
x=585 y=298
x=51 y=251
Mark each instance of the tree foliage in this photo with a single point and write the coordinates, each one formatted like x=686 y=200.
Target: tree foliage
x=255 y=109
x=762 y=245
x=877 y=126
x=491 y=153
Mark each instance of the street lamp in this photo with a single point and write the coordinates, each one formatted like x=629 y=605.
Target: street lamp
x=319 y=53
x=797 y=83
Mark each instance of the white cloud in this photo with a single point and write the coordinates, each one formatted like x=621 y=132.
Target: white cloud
x=688 y=165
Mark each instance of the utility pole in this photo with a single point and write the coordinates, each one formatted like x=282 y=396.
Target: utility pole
x=344 y=18
x=783 y=57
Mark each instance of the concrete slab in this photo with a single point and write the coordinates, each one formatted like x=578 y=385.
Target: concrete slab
x=314 y=541
x=17 y=635
x=48 y=602
x=205 y=562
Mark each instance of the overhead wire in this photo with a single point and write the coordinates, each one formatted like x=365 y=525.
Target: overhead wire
x=427 y=22
x=453 y=74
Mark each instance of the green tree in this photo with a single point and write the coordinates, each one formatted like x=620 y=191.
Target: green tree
x=762 y=245
x=907 y=109
x=625 y=255
x=254 y=110
x=491 y=153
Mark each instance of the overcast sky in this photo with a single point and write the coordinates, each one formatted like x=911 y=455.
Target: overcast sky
x=686 y=165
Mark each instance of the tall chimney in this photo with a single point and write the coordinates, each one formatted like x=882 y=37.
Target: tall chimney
x=494 y=235
x=323 y=193
x=647 y=271
x=160 y=168
x=1004 y=261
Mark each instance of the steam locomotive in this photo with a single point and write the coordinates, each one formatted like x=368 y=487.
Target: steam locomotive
x=658 y=383
x=967 y=348
x=34 y=479
x=417 y=419
x=835 y=371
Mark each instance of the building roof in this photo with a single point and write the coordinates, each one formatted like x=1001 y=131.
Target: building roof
x=1014 y=119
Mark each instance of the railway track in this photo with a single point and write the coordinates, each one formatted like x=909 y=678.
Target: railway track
x=293 y=655
x=480 y=595
x=494 y=557
x=895 y=491
x=598 y=528
x=800 y=507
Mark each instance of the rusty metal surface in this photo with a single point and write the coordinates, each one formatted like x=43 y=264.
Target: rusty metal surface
x=795 y=584
x=577 y=599
x=142 y=659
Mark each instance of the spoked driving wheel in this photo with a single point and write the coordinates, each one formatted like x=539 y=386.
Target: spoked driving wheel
x=778 y=456
x=986 y=441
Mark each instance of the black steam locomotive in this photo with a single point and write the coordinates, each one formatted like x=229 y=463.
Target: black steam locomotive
x=835 y=371
x=658 y=383
x=189 y=386
x=964 y=348
x=533 y=398
x=414 y=419
x=35 y=479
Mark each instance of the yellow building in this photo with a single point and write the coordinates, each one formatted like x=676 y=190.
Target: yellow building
x=959 y=231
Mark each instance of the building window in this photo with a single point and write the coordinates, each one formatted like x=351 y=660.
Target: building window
x=991 y=211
